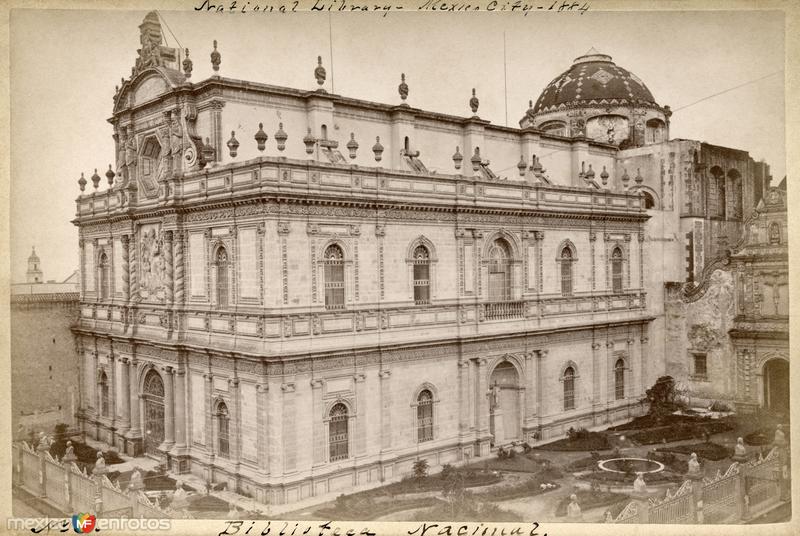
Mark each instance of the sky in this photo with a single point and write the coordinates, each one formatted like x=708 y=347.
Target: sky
x=65 y=65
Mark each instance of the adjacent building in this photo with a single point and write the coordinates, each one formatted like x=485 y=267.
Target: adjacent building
x=298 y=292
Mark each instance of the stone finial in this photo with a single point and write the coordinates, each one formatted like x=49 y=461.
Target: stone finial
x=352 y=146
x=474 y=102
x=537 y=165
x=281 y=137
x=187 y=65
x=216 y=58
x=639 y=179
x=582 y=172
x=378 y=149
x=590 y=174
x=233 y=144
x=457 y=158
x=319 y=72
x=604 y=176
x=403 y=87
x=476 y=159
x=110 y=176
x=522 y=166
x=95 y=179
x=309 y=140
x=207 y=152
x=667 y=112
x=530 y=105
x=625 y=177
x=82 y=182
x=261 y=137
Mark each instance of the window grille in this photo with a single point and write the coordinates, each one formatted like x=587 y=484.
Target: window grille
x=338 y=436
x=333 y=261
x=223 y=430
x=616 y=271
x=499 y=271
x=422 y=273
x=425 y=416
x=222 y=278
x=566 y=272
x=569 y=389
x=619 y=380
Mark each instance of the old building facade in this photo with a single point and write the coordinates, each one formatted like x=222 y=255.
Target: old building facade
x=340 y=287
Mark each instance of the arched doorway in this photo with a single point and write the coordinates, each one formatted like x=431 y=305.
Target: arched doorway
x=776 y=385
x=504 y=404
x=153 y=395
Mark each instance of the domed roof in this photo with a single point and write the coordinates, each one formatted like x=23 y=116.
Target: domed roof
x=593 y=77
x=33 y=257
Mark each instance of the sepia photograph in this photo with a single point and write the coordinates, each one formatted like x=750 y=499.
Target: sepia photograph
x=396 y=268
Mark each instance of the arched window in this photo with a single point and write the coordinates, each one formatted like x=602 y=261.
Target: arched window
x=616 y=270
x=334 y=277
x=324 y=132
x=338 y=436
x=222 y=277
x=649 y=202
x=716 y=193
x=422 y=274
x=499 y=271
x=566 y=271
x=105 y=277
x=619 y=379
x=223 y=430
x=105 y=401
x=774 y=233
x=424 y=416
x=569 y=389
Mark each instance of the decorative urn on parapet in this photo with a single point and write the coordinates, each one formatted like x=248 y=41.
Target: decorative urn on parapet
x=187 y=65
x=378 y=149
x=100 y=465
x=216 y=58
x=457 y=158
x=110 y=176
x=403 y=87
x=694 y=472
x=281 y=137
x=352 y=146
x=233 y=145
x=474 y=102
x=69 y=454
x=739 y=451
x=319 y=73
x=261 y=137
x=309 y=141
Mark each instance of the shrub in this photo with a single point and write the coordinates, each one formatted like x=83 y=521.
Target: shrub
x=447 y=471
x=526 y=448
x=420 y=469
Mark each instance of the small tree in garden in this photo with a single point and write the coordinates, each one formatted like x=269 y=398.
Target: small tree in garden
x=663 y=397
x=420 y=469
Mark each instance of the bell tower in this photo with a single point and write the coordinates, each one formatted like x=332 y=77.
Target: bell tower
x=34 y=273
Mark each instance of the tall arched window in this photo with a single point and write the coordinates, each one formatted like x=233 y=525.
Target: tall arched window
x=425 y=416
x=223 y=430
x=105 y=401
x=569 y=389
x=649 y=202
x=499 y=271
x=222 y=277
x=334 y=277
x=338 y=436
x=566 y=271
x=616 y=270
x=105 y=276
x=619 y=379
x=716 y=193
x=422 y=274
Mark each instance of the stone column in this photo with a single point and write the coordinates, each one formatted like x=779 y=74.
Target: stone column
x=483 y=405
x=169 y=267
x=529 y=420
x=463 y=407
x=636 y=370
x=235 y=421
x=541 y=355
x=169 y=408
x=133 y=383
x=262 y=401
x=98 y=408
x=386 y=409
x=606 y=373
x=125 y=397
x=112 y=390
x=133 y=270
x=289 y=427
x=645 y=379
x=596 y=383
x=361 y=412
x=180 y=409
x=318 y=429
x=126 y=275
x=208 y=401
x=179 y=267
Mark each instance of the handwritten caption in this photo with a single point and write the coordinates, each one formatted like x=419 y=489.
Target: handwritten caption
x=284 y=528
x=351 y=6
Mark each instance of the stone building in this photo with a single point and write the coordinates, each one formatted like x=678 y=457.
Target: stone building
x=44 y=361
x=341 y=287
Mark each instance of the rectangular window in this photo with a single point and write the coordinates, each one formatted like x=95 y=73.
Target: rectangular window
x=334 y=285
x=422 y=286
x=700 y=366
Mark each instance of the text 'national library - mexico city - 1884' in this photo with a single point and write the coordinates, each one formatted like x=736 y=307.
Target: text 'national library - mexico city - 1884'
x=278 y=291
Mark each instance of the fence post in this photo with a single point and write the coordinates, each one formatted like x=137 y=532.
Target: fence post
x=18 y=464
x=42 y=476
x=739 y=495
x=697 y=500
x=98 y=495
x=67 y=489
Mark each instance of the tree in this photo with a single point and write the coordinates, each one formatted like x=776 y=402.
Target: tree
x=420 y=469
x=663 y=397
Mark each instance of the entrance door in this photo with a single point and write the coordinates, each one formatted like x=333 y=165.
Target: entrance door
x=153 y=393
x=504 y=404
x=776 y=385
